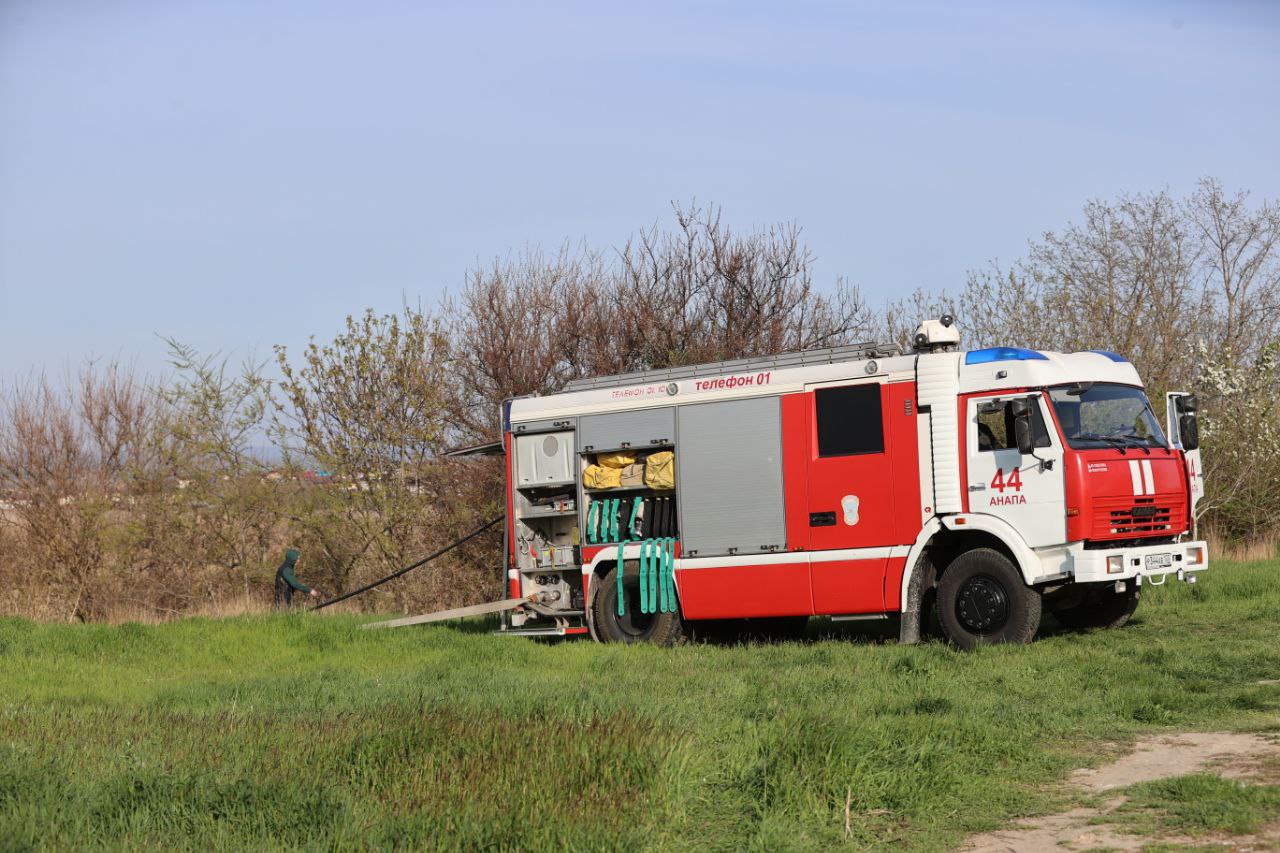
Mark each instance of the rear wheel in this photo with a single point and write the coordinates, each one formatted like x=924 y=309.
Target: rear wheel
x=632 y=626
x=1101 y=608
x=983 y=601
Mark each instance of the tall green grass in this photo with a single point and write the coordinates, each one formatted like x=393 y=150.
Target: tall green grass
x=304 y=731
x=1196 y=805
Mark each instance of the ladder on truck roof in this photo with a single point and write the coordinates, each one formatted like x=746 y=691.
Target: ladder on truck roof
x=803 y=358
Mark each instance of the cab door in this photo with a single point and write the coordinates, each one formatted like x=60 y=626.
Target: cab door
x=1026 y=491
x=1181 y=409
x=850 y=496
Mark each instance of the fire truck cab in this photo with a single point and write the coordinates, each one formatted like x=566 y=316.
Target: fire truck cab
x=981 y=487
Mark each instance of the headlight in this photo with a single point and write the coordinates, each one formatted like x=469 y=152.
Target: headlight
x=1115 y=564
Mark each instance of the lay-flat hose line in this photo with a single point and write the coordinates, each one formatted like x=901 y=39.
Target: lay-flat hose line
x=427 y=559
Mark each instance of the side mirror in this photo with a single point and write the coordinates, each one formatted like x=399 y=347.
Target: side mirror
x=1021 y=411
x=1189 y=429
x=1189 y=403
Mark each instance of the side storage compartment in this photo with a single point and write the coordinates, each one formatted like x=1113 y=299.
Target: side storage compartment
x=729 y=477
x=545 y=503
x=641 y=429
x=544 y=459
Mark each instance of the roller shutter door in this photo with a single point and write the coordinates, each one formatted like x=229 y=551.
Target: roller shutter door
x=729 y=477
x=640 y=429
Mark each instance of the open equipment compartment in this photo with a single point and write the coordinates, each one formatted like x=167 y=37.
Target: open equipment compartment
x=643 y=503
x=627 y=469
x=545 y=502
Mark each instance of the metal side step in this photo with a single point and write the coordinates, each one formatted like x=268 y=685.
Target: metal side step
x=542 y=632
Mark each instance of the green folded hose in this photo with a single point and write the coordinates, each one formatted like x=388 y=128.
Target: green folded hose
x=670 y=576
x=651 y=578
x=655 y=571
x=662 y=578
x=657 y=576
x=635 y=510
x=645 y=605
x=622 y=599
x=668 y=564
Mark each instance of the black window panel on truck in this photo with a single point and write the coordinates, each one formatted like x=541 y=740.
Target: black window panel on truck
x=849 y=420
x=729 y=477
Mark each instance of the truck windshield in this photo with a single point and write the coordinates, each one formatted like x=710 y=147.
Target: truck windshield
x=1097 y=414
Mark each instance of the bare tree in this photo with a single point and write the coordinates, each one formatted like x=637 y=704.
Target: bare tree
x=1120 y=280
x=1238 y=269
x=703 y=293
x=695 y=293
x=69 y=457
x=523 y=325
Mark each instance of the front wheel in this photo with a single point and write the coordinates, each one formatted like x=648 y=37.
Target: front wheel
x=631 y=626
x=1103 y=608
x=983 y=601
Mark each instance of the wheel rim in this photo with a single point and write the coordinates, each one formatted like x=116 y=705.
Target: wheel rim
x=982 y=605
x=633 y=623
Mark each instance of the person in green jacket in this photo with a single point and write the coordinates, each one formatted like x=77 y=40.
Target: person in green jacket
x=287 y=581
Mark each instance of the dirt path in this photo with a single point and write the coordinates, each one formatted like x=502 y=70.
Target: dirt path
x=1233 y=756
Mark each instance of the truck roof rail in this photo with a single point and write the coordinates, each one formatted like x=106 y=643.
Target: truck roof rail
x=803 y=358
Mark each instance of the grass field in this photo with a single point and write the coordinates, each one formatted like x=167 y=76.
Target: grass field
x=305 y=731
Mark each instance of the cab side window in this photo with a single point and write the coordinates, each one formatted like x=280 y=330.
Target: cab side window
x=849 y=420
x=995 y=428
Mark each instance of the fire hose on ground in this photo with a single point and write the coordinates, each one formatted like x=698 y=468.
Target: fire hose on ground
x=427 y=559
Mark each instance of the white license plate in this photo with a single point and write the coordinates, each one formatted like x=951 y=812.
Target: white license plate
x=1159 y=561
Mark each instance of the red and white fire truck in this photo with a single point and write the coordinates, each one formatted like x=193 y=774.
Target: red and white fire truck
x=859 y=482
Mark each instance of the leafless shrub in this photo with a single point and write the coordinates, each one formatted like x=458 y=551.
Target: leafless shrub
x=72 y=460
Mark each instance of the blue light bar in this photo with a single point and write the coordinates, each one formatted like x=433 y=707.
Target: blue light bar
x=1114 y=356
x=990 y=354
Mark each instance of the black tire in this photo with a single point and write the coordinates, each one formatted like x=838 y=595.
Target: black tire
x=930 y=627
x=1101 y=608
x=660 y=629
x=982 y=600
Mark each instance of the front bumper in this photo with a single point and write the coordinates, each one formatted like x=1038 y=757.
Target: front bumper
x=1148 y=563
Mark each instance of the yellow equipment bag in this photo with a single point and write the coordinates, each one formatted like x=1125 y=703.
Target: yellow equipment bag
x=660 y=470
x=621 y=459
x=600 y=477
x=632 y=475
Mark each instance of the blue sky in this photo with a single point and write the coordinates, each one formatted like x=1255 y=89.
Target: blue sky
x=238 y=174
